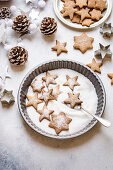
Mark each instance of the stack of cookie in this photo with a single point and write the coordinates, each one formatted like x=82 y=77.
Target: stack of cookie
x=84 y=12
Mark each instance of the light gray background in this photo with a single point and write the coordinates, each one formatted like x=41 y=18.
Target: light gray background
x=23 y=149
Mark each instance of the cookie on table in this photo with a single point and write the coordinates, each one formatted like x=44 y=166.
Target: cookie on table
x=45 y=113
x=87 y=22
x=73 y=100
x=49 y=79
x=71 y=82
x=84 y=13
x=110 y=75
x=95 y=66
x=96 y=14
x=83 y=42
x=60 y=122
x=37 y=85
x=47 y=96
x=33 y=101
x=60 y=47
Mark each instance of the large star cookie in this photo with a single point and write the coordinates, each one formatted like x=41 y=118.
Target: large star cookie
x=45 y=113
x=33 y=101
x=71 y=82
x=95 y=66
x=49 y=79
x=46 y=96
x=37 y=85
x=60 y=47
x=73 y=100
x=83 y=42
x=110 y=75
x=60 y=122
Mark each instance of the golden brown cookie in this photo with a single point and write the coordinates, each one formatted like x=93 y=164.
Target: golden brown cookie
x=33 y=101
x=110 y=75
x=60 y=122
x=81 y=3
x=84 y=13
x=60 y=47
x=71 y=82
x=49 y=79
x=95 y=66
x=96 y=14
x=83 y=42
x=73 y=100
x=87 y=22
x=69 y=4
x=56 y=91
x=45 y=113
x=76 y=19
x=37 y=85
x=69 y=11
x=91 y=3
x=100 y=4
x=47 y=96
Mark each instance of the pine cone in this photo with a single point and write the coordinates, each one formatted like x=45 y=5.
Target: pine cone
x=48 y=26
x=18 y=56
x=21 y=24
x=5 y=12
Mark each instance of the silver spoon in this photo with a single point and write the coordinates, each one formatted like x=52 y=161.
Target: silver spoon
x=103 y=121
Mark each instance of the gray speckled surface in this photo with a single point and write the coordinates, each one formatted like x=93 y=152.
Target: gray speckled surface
x=23 y=149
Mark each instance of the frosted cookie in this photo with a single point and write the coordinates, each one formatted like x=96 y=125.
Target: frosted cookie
x=37 y=85
x=60 y=122
x=49 y=79
x=56 y=91
x=83 y=42
x=95 y=66
x=47 y=96
x=33 y=101
x=81 y=3
x=71 y=82
x=73 y=100
x=60 y=47
x=84 y=13
x=110 y=75
x=96 y=14
x=45 y=113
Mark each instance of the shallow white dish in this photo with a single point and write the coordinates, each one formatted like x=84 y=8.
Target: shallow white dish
x=57 y=7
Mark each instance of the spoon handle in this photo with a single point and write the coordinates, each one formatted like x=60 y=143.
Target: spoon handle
x=104 y=122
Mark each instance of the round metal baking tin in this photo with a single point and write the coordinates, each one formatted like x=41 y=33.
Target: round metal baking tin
x=57 y=4
x=66 y=64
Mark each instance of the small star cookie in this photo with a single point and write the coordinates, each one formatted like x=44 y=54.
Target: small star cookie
x=46 y=96
x=81 y=3
x=69 y=11
x=96 y=14
x=33 y=101
x=87 y=22
x=95 y=66
x=45 y=113
x=73 y=100
x=37 y=85
x=110 y=75
x=76 y=19
x=71 y=82
x=60 y=47
x=60 y=122
x=56 y=91
x=84 y=13
x=83 y=42
x=100 y=4
x=49 y=79
x=91 y=3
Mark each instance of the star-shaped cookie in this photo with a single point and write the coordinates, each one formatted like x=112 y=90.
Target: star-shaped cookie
x=83 y=42
x=60 y=122
x=84 y=13
x=96 y=14
x=71 y=82
x=91 y=3
x=95 y=66
x=49 y=79
x=46 y=96
x=37 y=85
x=100 y=4
x=60 y=47
x=56 y=91
x=69 y=11
x=81 y=3
x=110 y=75
x=73 y=100
x=33 y=101
x=87 y=22
x=45 y=113
x=76 y=19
